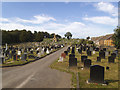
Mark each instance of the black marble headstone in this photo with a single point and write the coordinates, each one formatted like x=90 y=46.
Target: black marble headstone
x=31 y=52
x=104 y=49
x=111 y=59
x=80 y=51
x=96 y=49
x=24 y=56
x=73 y=50
x=37 y=52
x=71 y=56
x=83 y=58
x=87 y=63
x=66 y=52
x=98 y=59
x=113 y=55
x=89 y=53
x=102 y=54
x=72 y=62
x=14 y=57
x=96 y=74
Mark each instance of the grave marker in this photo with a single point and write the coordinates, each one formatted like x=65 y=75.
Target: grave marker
x=96 y=74
x=87 y=63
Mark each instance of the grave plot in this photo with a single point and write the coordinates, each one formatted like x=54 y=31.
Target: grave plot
x=109 y=80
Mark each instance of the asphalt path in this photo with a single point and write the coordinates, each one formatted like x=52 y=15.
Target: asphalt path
x=37 y=74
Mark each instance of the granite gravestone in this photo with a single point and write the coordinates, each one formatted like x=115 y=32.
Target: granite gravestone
x=111 y=59
x=24 y=56
x=2 y=60
x=71 y=56
x=83 y=58
x=104 y=49
x=96 y=74
x=113 y=55
x=89 y=53
x=14 y=57
x=96 y=49
x=68 y=49
x=31 y=52
x=91 y=49
x=116 y=52
x=66 y=52
x=98 y=59
x=31 y=56
x=10 y=55
x=72 y=62
x=84 y=48
x=106 y=53
x=87 y=63
x=102 y=54
x=73 y=50
x=37 y=52
x=80 y=51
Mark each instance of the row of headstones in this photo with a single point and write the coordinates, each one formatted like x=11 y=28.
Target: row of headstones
x=31 y=50
x=87 y=62
x=13 y=54
x=102 y=54
x=96 y=71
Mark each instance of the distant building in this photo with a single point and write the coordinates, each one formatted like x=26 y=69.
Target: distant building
x=103 y=40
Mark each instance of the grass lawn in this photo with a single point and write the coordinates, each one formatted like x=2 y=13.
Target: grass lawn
x=111 y=75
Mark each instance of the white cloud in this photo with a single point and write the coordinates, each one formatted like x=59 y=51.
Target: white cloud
x=103 y=20
x=4 y=20
x=78 y=29
x=107 y=7
x=37 y=19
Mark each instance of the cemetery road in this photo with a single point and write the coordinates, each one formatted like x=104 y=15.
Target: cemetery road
x=36 y=74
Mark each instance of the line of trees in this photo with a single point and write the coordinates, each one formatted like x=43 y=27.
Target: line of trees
x=20 y=36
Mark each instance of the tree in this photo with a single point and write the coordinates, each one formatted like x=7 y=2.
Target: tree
x=20 y=36
x=23 y=36
x=58 y=36
x=68 y=35
x=116 y=37
x=90 y=42
x=39 y=37
x=88 y=38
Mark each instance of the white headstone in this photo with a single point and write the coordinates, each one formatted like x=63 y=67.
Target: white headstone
x=43 y=48
x=61 y=45
x=47 y=51
x=60 y=59
x=106 y=53
x=19 y=52
x=37 y=49
x=93 y=52
x=6 y=46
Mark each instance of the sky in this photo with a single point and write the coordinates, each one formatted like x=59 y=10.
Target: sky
x=82 y=19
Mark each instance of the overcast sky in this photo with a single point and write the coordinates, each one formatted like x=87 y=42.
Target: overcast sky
x=82 y=19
